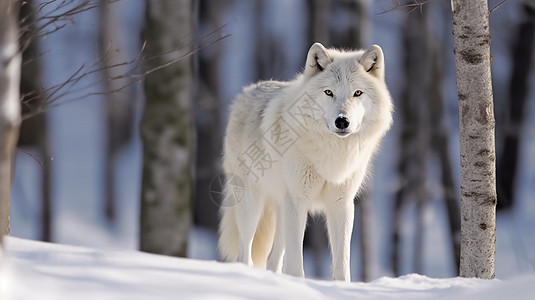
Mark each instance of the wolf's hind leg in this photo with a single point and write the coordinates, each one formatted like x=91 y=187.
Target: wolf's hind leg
x=248 y=213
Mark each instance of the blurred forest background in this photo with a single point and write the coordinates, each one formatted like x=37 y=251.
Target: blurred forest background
x=125 y=105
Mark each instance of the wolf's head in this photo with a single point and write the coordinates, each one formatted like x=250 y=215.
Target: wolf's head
x=350 y=89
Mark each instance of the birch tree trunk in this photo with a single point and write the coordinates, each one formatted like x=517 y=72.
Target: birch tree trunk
x=476 y=133
x=167 y=131
x=10 y=62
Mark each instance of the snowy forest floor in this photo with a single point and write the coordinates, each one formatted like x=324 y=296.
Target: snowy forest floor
x=38 y=270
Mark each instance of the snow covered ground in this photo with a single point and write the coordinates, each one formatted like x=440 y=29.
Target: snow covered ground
x=37 y=270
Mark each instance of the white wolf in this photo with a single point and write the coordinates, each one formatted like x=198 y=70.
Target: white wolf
x=298 y=147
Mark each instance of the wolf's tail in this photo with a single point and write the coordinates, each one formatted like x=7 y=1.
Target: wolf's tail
x=228 y=243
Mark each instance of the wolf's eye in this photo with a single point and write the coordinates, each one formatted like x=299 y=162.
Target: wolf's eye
x=357 y=93
x=328 y=93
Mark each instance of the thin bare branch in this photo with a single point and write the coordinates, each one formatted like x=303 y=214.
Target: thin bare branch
x=53 y=13
x=497 y=6
x=412 y=6
x=39 y=160
x=50 y=97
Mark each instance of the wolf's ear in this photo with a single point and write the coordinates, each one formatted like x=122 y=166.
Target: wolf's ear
x=317 y=59
x=373 y=61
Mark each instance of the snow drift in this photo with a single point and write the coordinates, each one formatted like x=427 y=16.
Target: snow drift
x=37 y=270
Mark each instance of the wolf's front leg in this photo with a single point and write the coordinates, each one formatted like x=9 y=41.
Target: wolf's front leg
x=340 y=216
x=295 y=218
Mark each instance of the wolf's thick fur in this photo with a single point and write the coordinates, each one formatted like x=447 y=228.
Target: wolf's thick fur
x=297 y=147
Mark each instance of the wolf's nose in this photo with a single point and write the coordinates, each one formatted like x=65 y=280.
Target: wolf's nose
x=341 y=122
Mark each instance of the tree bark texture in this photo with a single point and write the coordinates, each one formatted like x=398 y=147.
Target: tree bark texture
x=10 y=62
x=476 y=133
x=167 y=130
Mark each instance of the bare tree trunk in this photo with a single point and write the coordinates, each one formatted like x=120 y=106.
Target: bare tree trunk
x=10 y=63
x=522 y=58
x=355 y=36
x=119 y=102
x=271 y=60
x=358 y=37
x=440 y=145
x=415 y=134
x=319 y=21
x=167 y=131
x=354 y=33
x=208 y=105
x=363 y=211
x=399 y=205
x=34 y=130
x=476 y=133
